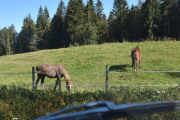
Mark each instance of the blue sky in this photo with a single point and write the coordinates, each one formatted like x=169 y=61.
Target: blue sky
x=14 y=11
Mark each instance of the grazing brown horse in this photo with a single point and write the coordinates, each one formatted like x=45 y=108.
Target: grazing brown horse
x=52 y=71
x=136 y=58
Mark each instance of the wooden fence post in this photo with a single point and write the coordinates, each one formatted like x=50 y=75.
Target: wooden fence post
x=107 y=77
x=33 y=78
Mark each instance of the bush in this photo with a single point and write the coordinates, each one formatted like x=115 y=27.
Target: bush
x=26 y=104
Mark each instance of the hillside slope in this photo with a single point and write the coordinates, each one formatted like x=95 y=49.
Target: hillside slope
x=156 y=56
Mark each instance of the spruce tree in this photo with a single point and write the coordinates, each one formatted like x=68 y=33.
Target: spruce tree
x=7 y=38
x=169 y=18
x=133 y=24
x=120 y=11
x=91 y=23
x=2 y=49
x=12 y=37
x=99 y=10
x=75 y=20
x=6 y=41
x=151 y=16
x=178 y=20
x=102 y=25
x=61 y=10
x=56 y=33
x=26 y=40
x=40 y=26
x=111 y=26
x=46 y=28
x=90 y=11
x=4 y=38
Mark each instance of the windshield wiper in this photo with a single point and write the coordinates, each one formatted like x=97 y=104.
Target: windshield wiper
x=104 y=110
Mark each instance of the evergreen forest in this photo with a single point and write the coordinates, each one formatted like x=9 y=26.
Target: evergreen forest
x=79 y=24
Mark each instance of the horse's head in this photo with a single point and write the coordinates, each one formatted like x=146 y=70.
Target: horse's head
x=68 y=84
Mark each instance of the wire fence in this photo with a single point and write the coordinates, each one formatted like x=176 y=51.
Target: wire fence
x=94 y=73
x=105 y=85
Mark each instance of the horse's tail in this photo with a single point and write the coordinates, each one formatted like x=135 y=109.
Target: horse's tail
x=133 y=56
x=41 y=67
x=138 y=54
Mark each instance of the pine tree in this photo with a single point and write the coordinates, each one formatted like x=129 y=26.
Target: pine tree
x=111 y=27
x=75 y=20
x=56 y=33
x=133 y=24
x=40 y=25
x=26 y=40
x=61 y=10
x=2 y=49
x=6 y=41
x=169 y=18
x=46 y=28
x=12 y=37
x=99 y=10
x=120 y=11
x=4 y=38
x=7 y=38
x=178 y=19
x=102 y=25
x=46 y=18
x=151 y=15
x=91 y=23
x=80 y=26
x=90 y=11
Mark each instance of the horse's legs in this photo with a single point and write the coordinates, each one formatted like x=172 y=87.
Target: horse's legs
x=58 y=81
x=139 y=62
x=42 y=82
x=37 y=81
x=137 y=66
x=59 y=84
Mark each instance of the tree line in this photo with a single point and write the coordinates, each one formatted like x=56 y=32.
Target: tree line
x=79 y=24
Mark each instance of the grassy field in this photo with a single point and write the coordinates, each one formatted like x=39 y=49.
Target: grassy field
x=156 y=56
x=23 y=103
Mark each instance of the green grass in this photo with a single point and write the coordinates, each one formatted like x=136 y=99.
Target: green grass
x=156 y=56
x=24 y=103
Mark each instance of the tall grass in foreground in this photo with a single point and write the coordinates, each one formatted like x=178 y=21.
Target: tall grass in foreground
x=24 y=104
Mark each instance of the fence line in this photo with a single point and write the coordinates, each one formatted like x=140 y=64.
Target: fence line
x=173 y=85
x=15 y=73
x=95 y=72
x=147 y=72
x=106 y=73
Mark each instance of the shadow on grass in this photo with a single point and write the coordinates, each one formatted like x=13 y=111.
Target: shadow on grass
x=119 y=68
x=175 y=74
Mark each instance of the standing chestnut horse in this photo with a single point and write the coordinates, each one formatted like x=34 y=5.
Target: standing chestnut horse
x=136 y=58
x=52 y=71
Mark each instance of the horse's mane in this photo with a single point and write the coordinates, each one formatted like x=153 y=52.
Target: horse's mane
x=136 y=48
x=64 y=72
